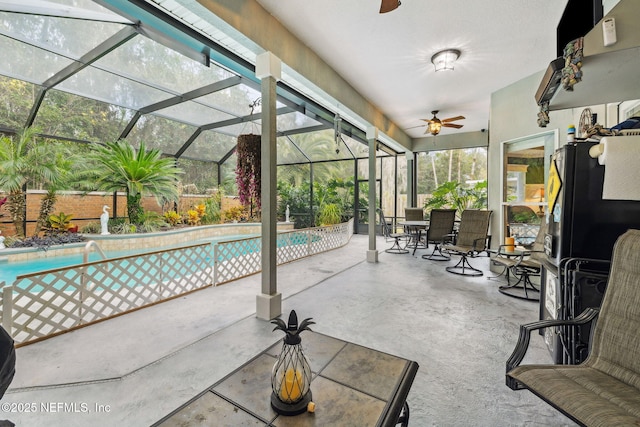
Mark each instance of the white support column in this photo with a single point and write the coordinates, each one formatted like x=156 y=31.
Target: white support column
x=372 y=137
x=269 y=302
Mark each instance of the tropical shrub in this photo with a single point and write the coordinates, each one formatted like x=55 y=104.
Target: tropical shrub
x=192 y=217
x=22 y=160
x=212 y=209
x=172 y=218
x=201 y=209
x=118 y=165
x=452 y=195
x=91 y=228
x=151 y=222
x=235 y=213
x=329 y=214
x=60 y=222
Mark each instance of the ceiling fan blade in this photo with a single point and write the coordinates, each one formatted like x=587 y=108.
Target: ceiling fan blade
x=452 y=125
x=389 y=5
x=453 y=119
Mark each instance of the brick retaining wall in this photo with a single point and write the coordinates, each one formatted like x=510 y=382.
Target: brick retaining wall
x=88 y=208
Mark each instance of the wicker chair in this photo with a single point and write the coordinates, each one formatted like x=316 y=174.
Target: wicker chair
x=440 y=230
x=470 y=241
x=605 y=389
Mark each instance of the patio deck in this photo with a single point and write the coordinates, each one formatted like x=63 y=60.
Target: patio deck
x=133 y=370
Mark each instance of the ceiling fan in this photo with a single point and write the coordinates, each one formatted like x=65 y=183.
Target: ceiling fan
x=389 y=5
x=435 y=124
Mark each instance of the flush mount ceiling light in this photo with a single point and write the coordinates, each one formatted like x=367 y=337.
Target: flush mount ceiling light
x=444 y=59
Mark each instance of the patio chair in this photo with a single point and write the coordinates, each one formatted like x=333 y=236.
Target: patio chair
x=413 y=214
x=440 y=230
x=414 y=231
x=605 y=389
x=470 y=241
x=397 y=238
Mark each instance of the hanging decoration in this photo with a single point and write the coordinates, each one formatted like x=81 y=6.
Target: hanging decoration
x=248 y=168
x=572 y=73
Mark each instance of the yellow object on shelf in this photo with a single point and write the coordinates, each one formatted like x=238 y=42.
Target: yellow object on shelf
x=291 y=387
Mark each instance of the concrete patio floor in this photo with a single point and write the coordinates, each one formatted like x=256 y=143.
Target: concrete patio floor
x=134 y=369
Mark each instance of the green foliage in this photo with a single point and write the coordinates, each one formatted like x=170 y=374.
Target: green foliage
x=22 y=160
x=329 y=214
x=213 y=206
x=91 y=228
x=437 y=167
x=298 y=200
x=118 y=165
x=151 y=222
x=123 y=228
x=235 y=213
x=523 y=215
x=60 y=222
x=452 y=195
x=334 y=191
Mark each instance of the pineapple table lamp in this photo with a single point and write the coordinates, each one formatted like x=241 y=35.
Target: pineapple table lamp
x=291 y=375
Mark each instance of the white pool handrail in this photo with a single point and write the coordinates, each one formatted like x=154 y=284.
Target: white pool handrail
x=87 y=249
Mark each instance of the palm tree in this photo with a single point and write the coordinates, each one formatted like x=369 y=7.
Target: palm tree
x=118 y=165
x=21 y=161
x=65 y=173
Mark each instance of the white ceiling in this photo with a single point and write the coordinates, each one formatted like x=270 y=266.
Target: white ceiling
x=387 y=57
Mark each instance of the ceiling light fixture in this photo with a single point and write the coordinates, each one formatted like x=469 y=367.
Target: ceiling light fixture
x=434 y=125
x=444 y=59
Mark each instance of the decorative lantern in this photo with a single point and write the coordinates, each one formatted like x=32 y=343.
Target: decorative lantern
x=291 y=374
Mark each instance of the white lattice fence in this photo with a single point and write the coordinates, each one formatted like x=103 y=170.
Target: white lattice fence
x=239 y=258
x=45 y=303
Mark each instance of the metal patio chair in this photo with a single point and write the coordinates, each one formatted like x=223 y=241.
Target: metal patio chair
x=397 y=238
x=440 y=231
x=470 y=241
x=604 y=390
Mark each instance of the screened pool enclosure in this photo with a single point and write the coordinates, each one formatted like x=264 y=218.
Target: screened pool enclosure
x=89 y=72
x=80 y=72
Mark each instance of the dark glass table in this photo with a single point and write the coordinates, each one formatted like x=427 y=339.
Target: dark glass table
x=351 y=385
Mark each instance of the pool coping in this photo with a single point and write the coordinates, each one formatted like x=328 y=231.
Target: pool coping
x=137 y=241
